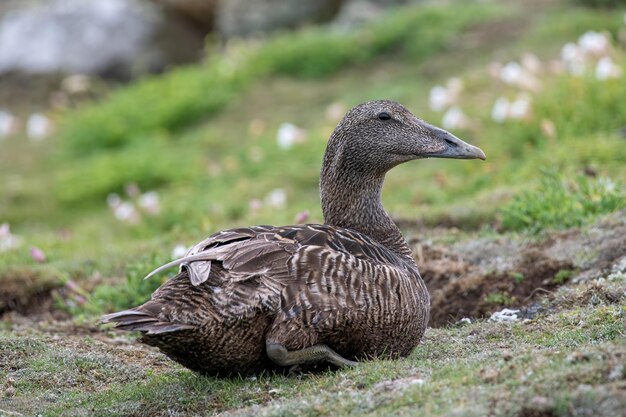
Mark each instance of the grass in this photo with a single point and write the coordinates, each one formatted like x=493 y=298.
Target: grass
x=185 y=95
x=204 y=138
x=560 y=203
x=568 y=359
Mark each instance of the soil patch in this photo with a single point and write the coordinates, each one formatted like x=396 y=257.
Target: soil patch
x=462 y=291
x=477 y=277
x=27 y=291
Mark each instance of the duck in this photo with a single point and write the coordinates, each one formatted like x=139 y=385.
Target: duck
x=265 y=298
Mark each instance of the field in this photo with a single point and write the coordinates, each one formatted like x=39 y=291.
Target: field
x=540 y=227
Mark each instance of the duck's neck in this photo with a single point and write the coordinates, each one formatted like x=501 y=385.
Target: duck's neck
x=351 y=198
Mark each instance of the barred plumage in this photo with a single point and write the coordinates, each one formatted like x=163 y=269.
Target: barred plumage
x=257 y=298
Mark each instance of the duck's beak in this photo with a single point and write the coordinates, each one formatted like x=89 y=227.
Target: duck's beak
x=454 y=147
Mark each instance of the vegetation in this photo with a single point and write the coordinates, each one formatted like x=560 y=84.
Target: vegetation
x=204 y=139
x=561 y=203
x=557 y=365
x=184 y=96
x=601 y=3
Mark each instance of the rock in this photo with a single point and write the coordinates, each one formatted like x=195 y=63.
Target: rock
x=241 y=18
x=201 y=12
x=129 y=36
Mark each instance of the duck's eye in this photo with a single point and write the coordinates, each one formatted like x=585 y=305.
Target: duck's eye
x=384 y=116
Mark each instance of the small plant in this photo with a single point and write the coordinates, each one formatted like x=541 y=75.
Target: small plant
x=562 y=276
x=517 y=277
x=562 y=203
x=498 y=298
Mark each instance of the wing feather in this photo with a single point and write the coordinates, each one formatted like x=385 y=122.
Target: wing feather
x=309 y=270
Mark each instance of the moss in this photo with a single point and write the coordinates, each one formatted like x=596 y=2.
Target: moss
x=498 y=298
x=562 y=276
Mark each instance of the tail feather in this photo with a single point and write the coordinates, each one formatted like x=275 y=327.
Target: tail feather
x=140 y=321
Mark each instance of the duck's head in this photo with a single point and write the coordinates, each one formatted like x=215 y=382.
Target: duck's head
x=382 y=134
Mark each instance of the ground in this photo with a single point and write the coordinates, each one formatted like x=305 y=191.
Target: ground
x=539 y=228
x=563 y=355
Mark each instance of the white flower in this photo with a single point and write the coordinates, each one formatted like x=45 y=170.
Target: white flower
x=441 y=97
x=8 y=124
x=454 y=118
x=500 y=110
x=288 y=135
x=517 y=109
x=520 y=108
x=7 y=239
x=531 y=63
x=606 y=68
x=574 y=58
x=570 y=52
x=511 y=73
x=514 y=74
x=38 y=127
x=150 y=202
x=594 y=43
x=276 y=198
x=113 y=200
x=608 y=184
x=438 y=98
x=179 y=251
x=126 y=212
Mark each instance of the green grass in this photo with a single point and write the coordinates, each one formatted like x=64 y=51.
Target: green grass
x=502 y=367
x=183 y=96
x=136 y=290
x=561 y=203
x=600 y=3
x=204 y=137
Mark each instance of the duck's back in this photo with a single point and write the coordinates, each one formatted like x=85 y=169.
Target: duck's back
x=296 y=285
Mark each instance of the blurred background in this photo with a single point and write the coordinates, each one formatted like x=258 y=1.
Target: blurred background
x=130 y=129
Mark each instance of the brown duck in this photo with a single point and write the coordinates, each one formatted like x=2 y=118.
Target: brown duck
x=264 y=297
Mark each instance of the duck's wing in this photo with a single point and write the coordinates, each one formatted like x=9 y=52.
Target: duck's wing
x=227 y=276
x=244 y=244
x=265 y=249
x=238 y=272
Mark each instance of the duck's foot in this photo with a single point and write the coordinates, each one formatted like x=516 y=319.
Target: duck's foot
x=317 y=353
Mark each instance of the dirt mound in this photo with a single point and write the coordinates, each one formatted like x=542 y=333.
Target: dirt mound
x=468 y=293
x=28 y=291
x=478 y=276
